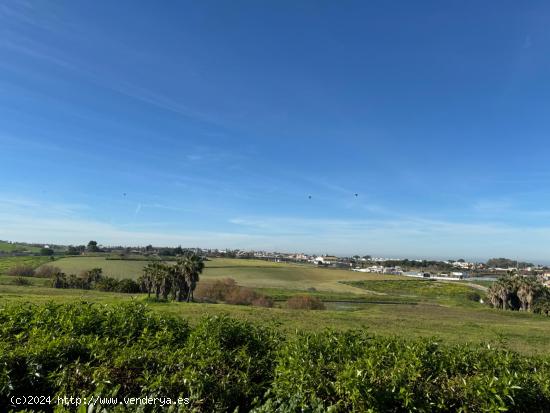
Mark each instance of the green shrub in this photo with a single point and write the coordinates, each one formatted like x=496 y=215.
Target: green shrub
x=223 y=364
x=21 y=281
x=107 y=284
x=78 y=281
x=352 y=371
x=127 y=286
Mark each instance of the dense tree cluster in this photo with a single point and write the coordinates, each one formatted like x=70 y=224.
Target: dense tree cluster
x=92 y=247
x=520 y=293
x=76 y=250
x=170 y=252
x=177 y=281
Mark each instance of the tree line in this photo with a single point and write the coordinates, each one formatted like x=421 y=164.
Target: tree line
x=507 y=263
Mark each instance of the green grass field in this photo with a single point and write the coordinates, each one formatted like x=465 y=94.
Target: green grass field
x=14 y=247
x=250 y=273
x=9 y=262
x=383 y=304
x=526 y=333
x=427 y=291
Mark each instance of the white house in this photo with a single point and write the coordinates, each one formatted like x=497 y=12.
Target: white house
x=325 y=260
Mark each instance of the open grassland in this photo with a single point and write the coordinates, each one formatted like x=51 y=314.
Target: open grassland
x=522 y=332
x=14 y=247
x=384 y=304
x=9 y=262
x=423 y=290
x=111 y=268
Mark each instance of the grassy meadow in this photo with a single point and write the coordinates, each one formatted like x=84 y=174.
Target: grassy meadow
x=9 y=247
x=249 y=273
x=384 y=304
x=8 y=262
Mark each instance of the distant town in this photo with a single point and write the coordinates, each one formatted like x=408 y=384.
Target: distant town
x=451 y=270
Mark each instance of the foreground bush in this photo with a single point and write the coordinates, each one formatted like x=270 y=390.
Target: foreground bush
x=223 y=364
x=125 y=350
x=305 y=302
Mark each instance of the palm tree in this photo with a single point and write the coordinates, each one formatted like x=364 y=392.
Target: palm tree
x=181 y=278
x=196 y=266
x=528 y=291
x=502 y=294
x=493 y=295
x=187 y=272
x=147 y=278
x=155 y=277
x=164 y=279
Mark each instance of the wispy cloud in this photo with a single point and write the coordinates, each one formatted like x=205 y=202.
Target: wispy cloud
x=24 y=219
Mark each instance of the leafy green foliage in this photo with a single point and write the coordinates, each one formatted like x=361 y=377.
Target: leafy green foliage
x=224 y=364
x=84 y=349
x=93 y=279
x=127 y=286
x=352 y=371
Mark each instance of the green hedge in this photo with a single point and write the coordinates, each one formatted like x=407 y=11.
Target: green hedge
x=222 y=364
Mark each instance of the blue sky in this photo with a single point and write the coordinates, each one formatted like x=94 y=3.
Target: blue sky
x=210 y=124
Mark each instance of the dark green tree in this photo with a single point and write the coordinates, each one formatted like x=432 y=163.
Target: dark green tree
x=92 y=246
